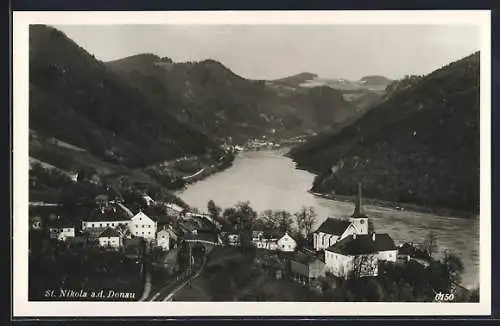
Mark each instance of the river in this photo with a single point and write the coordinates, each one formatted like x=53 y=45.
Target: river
x=270 y=180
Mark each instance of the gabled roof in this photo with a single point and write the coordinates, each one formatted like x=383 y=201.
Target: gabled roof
x=286 y=235
x=141 y=215
x=334 y=226
x=109 y=233
x=111 y=213
x=361 y=244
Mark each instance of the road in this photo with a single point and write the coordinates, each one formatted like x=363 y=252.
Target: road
x=178 y=281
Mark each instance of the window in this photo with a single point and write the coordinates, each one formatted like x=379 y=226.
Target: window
x=112 y=224
x=100 y=225
x=107 y=224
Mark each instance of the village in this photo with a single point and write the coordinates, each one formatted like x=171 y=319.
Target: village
x=168 y=245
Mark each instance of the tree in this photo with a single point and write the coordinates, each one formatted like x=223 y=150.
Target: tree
x=454 y=267
x=246 y=217
x=284 y=221
x=364 y=265
x=213 y=210
x=430 y=244
x=305 y=219
x=230 y=215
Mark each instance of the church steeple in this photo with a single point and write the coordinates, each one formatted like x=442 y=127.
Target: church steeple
x=358 y=210
x=358 y=218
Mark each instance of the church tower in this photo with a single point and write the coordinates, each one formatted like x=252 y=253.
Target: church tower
x=358 y=218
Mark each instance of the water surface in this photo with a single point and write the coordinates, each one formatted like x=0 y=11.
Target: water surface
x=270 y=181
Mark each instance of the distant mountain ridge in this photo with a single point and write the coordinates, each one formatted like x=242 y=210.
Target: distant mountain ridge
x=217 y=101
x=419 y=145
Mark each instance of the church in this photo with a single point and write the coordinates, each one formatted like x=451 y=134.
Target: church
x=350 y=248
x=333 y=229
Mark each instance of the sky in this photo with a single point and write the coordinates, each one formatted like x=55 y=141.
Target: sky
x=276 y=51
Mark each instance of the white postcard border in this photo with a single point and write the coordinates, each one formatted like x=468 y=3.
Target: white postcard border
x=24 y=308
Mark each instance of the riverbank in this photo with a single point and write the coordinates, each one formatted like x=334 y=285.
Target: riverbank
x=206 y=172
x=441 y=211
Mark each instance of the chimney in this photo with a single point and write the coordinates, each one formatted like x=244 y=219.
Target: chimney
x=358 y=210
x=373 y=236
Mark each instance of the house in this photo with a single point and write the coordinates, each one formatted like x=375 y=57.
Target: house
x=267 y=244
x=174 y=209
x=387 y=250
x=36 y=223
x=166 y=238
x=110 y=238
x=233 y=239
x=286 y=243
x=359 y=255
x=148 y=200
x=306 y=266
x=95 y=179
x=104 y=217
x=143 y=226
x=333 y=230
x=61 y=229
x=101 y=200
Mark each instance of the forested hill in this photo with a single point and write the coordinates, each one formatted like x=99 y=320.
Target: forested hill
x=78 y=99
x=219 y=102
x=420 y=145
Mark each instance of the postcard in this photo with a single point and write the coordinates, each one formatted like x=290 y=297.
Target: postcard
x=275 y=163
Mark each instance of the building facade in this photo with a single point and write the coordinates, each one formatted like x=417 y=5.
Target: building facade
x=359 y=255
x=286 y=243
x=110 y=238
x=143 y=226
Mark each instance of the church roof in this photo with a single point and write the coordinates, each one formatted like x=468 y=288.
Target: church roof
x=333 y=226
x=361 y=244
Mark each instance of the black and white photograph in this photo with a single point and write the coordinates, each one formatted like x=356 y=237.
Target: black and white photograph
x=225 y=160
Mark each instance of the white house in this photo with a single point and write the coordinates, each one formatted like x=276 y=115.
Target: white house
x=166 y=238
x=61 y=229
x=286 y=243
x=268 y=244
x=233 y=239
x=333 y=230
x=143 y=226
x=359 y=255
x=163 y=239
x=110 y=238
x=148 y=200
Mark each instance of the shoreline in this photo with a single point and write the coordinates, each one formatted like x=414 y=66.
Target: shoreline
x=441 y=211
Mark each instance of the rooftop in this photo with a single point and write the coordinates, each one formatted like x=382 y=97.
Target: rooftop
x=109 y=233
x=333 y=226
x=112 y=213
x=363 y=244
